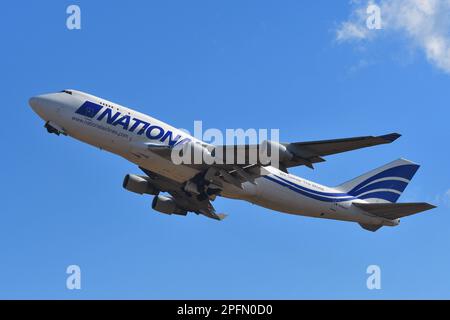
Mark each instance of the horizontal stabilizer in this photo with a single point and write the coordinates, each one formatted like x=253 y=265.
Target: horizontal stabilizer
x=393 y=211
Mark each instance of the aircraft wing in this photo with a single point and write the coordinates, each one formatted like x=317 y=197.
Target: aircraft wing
x=246 y=164
x=302 y=153
x=314 y=150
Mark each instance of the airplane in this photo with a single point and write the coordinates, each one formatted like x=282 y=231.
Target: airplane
x=369 y=200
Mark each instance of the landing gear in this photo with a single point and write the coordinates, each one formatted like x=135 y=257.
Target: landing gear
x=202 y=188
x=54 y=128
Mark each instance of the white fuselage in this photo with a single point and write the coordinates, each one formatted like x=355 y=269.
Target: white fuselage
x=122 y=131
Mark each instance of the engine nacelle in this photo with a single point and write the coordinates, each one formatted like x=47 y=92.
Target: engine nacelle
x=138 y=184
x=269 y=147
x=166 y=205
x=192 y=153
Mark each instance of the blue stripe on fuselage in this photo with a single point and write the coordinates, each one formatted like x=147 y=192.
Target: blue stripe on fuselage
x=332 y=197
x=327 y=194
x=295 y=188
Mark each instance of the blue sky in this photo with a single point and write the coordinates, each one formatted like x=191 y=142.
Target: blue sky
x=231 y=64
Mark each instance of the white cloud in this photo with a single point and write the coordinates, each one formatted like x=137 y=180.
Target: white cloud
x=425 y=23
x=351 y=31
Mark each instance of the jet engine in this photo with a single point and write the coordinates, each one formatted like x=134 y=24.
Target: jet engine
x=167 y=205
x=139 y=185
x=193 y=153
x=267 y=147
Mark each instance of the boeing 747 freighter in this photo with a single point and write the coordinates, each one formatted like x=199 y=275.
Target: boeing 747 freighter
x=178 y=188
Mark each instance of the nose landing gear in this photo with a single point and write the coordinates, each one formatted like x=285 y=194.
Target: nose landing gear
x=54 y=128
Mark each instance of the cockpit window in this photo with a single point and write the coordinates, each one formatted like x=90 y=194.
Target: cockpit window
x=67 y=91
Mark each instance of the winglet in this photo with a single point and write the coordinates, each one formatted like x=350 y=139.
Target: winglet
x=391 y=137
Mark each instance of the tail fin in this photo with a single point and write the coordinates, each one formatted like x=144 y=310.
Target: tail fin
x=384 y=184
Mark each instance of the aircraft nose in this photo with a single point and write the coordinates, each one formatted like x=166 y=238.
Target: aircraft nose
x=43 y=105
x=35 y=103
